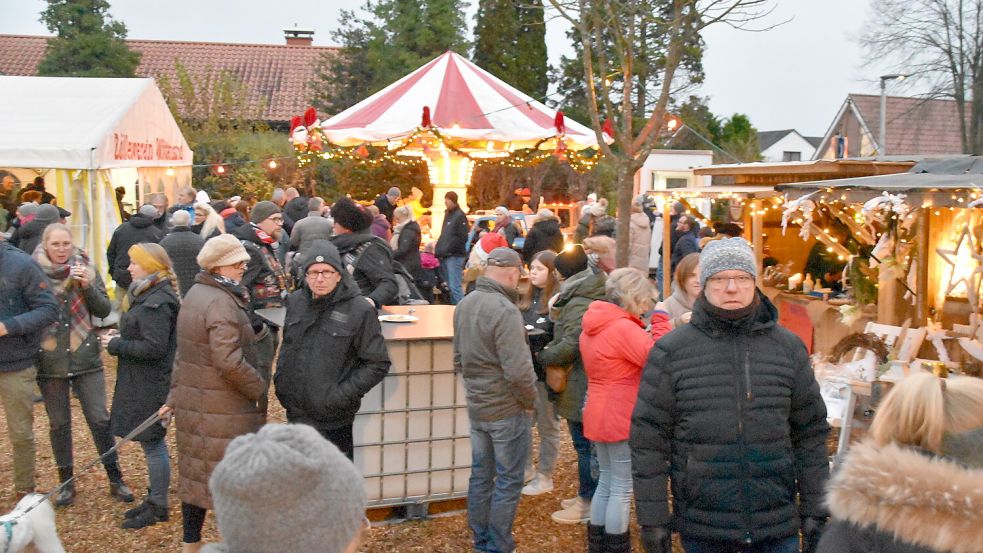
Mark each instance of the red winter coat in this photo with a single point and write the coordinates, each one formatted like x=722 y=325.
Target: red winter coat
x=614 y=347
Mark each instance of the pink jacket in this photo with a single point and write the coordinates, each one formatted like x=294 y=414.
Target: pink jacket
x=614 y=347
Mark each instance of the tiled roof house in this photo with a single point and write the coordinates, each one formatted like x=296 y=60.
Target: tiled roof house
x=277 y=76
x=915 y=126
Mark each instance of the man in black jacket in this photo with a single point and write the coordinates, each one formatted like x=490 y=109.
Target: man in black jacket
x=387 y=203
x=368 y=258
x=333 y=352
x=452 y=246
x=182 y=246
x=140 y=228
x=545 y=234
x=729 y=408
x=27 y=308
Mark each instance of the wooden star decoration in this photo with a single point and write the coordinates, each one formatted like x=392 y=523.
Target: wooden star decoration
x=952 y=257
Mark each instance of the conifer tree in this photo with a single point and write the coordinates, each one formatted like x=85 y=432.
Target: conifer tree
x=89 y=43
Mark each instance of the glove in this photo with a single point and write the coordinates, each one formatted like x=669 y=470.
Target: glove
x=656 y=539
x=812 y=530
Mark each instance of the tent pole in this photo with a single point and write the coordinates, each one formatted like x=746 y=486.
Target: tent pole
x=757 y=228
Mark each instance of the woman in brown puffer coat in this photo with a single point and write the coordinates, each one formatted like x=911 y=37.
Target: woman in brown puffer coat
x=217 y=393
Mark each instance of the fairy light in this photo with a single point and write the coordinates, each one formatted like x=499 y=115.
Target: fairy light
x=272 y=164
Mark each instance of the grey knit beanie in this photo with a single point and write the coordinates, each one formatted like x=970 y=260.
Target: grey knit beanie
x=727 y=254
x=286 y=488
x=262 y=211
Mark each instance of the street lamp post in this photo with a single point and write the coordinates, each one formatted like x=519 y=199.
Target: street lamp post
x=882 y=150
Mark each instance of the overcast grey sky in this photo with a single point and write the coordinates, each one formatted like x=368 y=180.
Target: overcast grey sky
x=793 y=76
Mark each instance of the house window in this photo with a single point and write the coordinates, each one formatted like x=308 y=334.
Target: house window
x=791 y=156
x=677 y=183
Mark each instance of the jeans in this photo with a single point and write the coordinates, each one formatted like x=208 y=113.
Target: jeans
x=549 y=431
x=612 y=498
x=17 y=395
x=453 y=268
x=498 y=457
x=91 y=391
x=158 y=470
x=786 y=545
x=583 y=446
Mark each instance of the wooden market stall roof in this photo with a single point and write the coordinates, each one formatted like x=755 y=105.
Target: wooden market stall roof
x=770 y=174
x=945 y=181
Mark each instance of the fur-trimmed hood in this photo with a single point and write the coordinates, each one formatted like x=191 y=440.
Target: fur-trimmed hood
x=929 y=502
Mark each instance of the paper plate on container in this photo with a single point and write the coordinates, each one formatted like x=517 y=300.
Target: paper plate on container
x=398 y=318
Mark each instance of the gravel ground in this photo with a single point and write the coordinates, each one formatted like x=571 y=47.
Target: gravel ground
x=91 y=525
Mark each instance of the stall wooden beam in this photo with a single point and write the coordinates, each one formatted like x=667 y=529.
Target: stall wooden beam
x=921 y=277
x=666 y=250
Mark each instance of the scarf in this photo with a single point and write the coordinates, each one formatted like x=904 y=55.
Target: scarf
x=232 y=286
x=139 y=287
x=394 y=241
x=739 y=320
x=263 y=237
x=68 y=289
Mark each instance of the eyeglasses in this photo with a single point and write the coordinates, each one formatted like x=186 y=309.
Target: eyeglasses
x=278 y=220
x=314 y=275
x=743 y=281
x=240 y=265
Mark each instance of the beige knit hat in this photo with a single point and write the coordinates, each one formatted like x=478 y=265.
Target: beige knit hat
x=220 y=251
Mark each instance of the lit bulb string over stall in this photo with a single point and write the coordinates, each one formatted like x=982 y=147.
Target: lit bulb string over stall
x=222 y=168
x=922 y=232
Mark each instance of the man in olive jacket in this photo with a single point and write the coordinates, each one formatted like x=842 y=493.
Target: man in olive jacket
x=491 y=352
x=333 y=352
x=730 y=411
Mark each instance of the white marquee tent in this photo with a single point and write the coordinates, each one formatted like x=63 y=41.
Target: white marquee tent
x=86 y=137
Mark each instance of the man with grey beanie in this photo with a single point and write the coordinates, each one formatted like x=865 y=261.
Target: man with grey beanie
x=287 y=489
x=140 y=228
x=730 y=409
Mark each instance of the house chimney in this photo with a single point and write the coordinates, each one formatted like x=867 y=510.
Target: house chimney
x=299 y=37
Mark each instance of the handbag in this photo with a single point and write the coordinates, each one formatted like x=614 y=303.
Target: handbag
x=556 y=378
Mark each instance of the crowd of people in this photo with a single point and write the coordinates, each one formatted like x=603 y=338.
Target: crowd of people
x=699 y=407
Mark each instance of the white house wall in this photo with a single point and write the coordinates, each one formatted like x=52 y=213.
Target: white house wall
x=791 y=142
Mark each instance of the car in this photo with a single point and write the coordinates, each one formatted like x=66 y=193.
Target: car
x=486 y=219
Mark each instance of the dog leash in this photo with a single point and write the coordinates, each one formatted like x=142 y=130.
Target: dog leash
x=151 y=420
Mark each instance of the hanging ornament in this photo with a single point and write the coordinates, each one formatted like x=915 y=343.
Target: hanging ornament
x=425 y=120
x=561 y=127
x=310 y=117
x=362 y=151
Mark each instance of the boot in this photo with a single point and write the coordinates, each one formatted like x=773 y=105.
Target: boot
x=117 y=488
x=577 y=513
x=191 y=547
x=595 y=539
x=66 y=495
x=617 y=543
x=130 y=513
x=149 y=516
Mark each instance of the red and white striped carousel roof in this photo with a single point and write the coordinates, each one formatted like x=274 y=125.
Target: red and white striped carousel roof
x=465 y=102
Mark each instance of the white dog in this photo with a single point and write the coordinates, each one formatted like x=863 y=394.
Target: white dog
x=21 y=528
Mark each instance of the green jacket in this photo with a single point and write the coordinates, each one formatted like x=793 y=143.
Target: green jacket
x=575 y=295
x=59 y=361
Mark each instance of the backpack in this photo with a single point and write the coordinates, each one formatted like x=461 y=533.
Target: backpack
x=407 y=293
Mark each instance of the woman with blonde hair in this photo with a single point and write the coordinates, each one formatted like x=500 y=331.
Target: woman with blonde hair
x=208 y=223
x=614 y=347
x=145 y=348
x=70 y=358
x=916 y=484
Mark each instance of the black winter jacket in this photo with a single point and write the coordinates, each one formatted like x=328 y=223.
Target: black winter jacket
x=60 y=361
x=138 y=229
x=27 y=306
x=296 y=209
x=333 y=353
x=266 y=285
x=373 y=271
x=28 y=236
x=733 y=415
x=182 y=246
x=408 y=249
x=453 y=235
x=544 y=235
x=145 y=347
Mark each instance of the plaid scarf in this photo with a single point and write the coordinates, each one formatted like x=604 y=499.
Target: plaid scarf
x=232 y=286
x=69 y=291
x=141 y=286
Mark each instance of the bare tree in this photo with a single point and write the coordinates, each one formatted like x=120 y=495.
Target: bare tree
x=632 y=54
x=938 y=43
